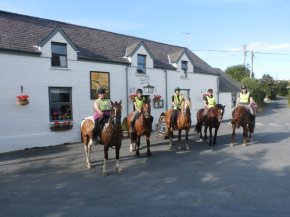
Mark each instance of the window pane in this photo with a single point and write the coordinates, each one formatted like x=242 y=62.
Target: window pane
x=55 y=60
x=141 y=59
x=184 y=65
x=60 y=104
x=62 y=61
x=57 y=48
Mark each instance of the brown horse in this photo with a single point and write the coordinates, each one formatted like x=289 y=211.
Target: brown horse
x=213 y=120
x=111 y=135
x=241 y=117
x=143 y=126
x=183 y=123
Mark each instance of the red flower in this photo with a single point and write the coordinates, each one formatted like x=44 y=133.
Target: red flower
x=156 y=97
x=22 y=97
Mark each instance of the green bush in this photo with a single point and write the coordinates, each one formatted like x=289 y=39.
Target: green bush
x=124 y=124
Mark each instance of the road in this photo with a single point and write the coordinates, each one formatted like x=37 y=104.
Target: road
x=221 y=181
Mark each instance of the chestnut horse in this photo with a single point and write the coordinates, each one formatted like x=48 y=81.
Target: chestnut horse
x=183 y=123
x=213 y=120
x=143 y=126
x=241 y=117
x=111 y=135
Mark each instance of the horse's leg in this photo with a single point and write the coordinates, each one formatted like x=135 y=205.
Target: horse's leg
x=179 y=138
x=133 y=142
x=210 y=136
x=233 y=134
x=186 y=139
x=245 y=135
x=148 y=145
x=87 y=147
x=118 y=168
x=106 y=157
x=215 y=135
x=200 y=135
x=137 y=154
x=170 y=138
x=205 y=132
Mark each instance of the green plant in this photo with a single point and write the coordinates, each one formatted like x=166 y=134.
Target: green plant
x=124 y=124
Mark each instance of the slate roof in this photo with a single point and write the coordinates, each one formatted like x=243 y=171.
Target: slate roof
x=227 y=83
x=21 y=32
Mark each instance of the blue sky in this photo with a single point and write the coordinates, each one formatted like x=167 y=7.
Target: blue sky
x=215 y=30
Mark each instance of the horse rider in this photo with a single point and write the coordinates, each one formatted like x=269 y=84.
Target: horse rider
x=138 y=103
x=176 y=99
x=245 y=99
x=209 y=102
x=102 y=109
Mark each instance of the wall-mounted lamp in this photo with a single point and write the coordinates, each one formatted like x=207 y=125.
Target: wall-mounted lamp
x=148 y=88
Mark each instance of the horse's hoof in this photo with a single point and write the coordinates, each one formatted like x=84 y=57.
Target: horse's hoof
x=120 y=171
x=200 y=140
x=149 y=154
x=104 y=174
x=89 y=166
x=170 y=147
x=137 y=154
x=232 y=144
x=245 y=145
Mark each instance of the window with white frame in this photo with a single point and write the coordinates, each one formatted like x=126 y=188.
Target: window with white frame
x=60 y=103
x=184 y=67
x=141 y=67
x=58 y=55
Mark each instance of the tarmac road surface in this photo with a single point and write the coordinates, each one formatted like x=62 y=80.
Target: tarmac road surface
x=225 y=181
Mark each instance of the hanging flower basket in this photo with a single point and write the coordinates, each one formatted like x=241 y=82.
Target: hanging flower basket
x=58 y=126
x=132 y=96
x=156 y=98
x=22 y=100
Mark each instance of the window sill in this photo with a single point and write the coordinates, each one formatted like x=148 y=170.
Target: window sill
x=59 y=68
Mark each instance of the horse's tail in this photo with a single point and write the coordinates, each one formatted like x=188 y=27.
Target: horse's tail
x=198 y=127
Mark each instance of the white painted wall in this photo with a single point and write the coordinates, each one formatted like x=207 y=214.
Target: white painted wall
x=28 y=126
x=225 y=99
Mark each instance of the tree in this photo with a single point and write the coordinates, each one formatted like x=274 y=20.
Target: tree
x=238 y=72
x=282 y=87
x=269 y=86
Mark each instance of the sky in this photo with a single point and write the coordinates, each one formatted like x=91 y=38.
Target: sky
x=215 y=30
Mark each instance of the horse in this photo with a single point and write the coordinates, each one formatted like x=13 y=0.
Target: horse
x=110 y=136
x=241 y=117
x=213 y=120
x=143 y=126
x=183 y=123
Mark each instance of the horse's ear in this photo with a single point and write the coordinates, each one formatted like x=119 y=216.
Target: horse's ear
x=120 y=102
x=111 y=102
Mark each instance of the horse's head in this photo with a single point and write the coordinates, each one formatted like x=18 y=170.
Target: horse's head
x=220 y=111
x=146 y=109
x=116 y=112
x=185 y=107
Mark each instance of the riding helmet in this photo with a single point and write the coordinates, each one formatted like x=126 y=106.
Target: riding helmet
x=139 y=91
x=101 y=90
x=210 y=90
x=244 y=87
x=177 y=89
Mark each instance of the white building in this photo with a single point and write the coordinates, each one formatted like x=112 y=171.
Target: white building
x=60 y=66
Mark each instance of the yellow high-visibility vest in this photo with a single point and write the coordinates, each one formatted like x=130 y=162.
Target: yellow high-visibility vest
x=245 y=98
x=211 y=102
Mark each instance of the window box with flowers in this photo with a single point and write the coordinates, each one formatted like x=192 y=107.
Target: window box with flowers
x=156 y=98
x=22 y=100
x=61 y=126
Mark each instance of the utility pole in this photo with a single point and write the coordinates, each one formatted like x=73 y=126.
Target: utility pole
x=245 y=54
x=189 y=38
x=252 y=65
